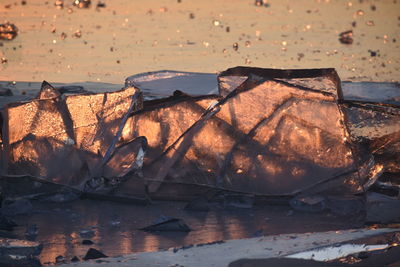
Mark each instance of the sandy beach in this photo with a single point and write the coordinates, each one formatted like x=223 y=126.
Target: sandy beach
x=107 y=44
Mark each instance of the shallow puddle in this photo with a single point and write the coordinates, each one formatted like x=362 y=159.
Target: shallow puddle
x=115 y=226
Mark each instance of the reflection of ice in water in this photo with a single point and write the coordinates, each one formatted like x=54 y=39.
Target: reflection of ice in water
x=335 y=252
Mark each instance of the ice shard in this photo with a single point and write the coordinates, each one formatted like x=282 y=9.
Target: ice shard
x=269 y=132
x=247 y=131
x=372 y=112
x=70 y=139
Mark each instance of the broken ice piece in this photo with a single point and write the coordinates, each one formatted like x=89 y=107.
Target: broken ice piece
x=160 y=84
x=87 y=233
x=22 y=248
x=264 y=137
x=308 y=203
x=168 y=224
x=93 y=253
x=79 y=127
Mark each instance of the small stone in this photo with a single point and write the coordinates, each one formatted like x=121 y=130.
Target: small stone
x=261 y=3
x=370 y=23
x=101 y=5
x=63 y=36
x=374 y=53
x=346 y=37
x=216 y=22
x=300 y=56
x=3 y=60
x=191 y=16
x=59 y=4
x=82 y=3
x=235 y=46
x=77 y=34
x=8 y=31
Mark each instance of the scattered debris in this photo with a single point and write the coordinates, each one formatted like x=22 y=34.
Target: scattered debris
x=82 y=3
x=374 y=53
x=63 y=36
x=59 y=4
x=370 y=23
x=101 y=4
x=346 y=37
x=166 y=224
x=235 y=46
x=8 y=31
x=216 y=22
x=93 y=253
x=77 y=34
x=261 y=3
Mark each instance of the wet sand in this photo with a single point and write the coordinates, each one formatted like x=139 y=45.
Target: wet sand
x=128 y=37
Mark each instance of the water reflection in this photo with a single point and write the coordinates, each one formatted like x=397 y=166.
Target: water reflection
x=60 y=226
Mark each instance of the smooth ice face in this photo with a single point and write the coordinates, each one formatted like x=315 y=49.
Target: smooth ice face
x=375 y=92
x=372 y=112
x=65 y=139
x=271 y=133
x=161 y=84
